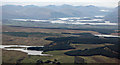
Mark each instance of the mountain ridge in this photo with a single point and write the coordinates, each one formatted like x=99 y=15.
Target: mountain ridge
x=50 y=11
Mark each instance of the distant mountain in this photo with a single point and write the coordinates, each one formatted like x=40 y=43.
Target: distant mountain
x=113 y=16
x=51 y=11
x=25 y=12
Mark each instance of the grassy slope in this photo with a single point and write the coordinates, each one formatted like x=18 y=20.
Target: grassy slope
x=59 y=55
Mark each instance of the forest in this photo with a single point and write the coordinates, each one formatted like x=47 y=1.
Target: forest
x=63 y=43
x=84 y=38
x=109 y=51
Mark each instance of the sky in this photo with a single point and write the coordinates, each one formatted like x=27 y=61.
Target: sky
x=101 y=3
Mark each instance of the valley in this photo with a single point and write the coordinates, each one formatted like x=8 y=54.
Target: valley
x=37 y=36
x=60 y=34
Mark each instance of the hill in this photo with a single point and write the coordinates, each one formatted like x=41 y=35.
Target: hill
x=51 y=11
x=113 y=16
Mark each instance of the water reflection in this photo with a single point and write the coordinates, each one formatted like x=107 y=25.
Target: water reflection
x=23 y=48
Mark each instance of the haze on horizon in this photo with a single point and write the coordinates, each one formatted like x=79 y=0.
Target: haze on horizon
x=100 y=3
